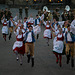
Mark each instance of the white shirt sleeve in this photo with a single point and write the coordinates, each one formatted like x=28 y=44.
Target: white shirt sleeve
x=44 y=23
x=15 y=18
x=2 y=21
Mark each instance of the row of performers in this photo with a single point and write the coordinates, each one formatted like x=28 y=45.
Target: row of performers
x=25 y=36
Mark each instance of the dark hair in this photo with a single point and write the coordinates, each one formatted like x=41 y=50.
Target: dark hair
x=36 y=15
x=68 y=25
x=29 y=26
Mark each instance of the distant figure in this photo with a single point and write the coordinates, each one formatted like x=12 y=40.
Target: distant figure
x=26 y=11
x=9 y=14
x=20 y=13
x=6 y=13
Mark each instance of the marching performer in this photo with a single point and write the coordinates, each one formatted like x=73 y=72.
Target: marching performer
x=31 y=20
x=58 y=47
x=55 y=24
x=4 y=28
x=25 y=23
x=70 y=39
x=19 y=26
x=36 y=22
x=11 y=25
x=47 y=32
x=29 y=45
x=19 y=47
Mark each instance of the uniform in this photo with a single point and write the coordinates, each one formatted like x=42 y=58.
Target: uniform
x=58 y=48
x=18 y=45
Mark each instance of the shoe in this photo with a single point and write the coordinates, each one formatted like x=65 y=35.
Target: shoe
x=28 y=58
x=32 y=62
x=60 y=64
x=17 y=58
x=48 y=44
x=21 y=63
x=72 y=62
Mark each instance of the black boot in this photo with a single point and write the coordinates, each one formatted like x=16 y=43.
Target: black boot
x=32 y=62
x=28 y=58
x=37 y=36
x=10 y=36
x=68 y=58
x=72 y=62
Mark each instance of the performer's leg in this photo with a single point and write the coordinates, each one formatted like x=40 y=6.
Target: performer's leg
x=11 y=30
x=4 y=36
x=32 y=61
x=32 y=53
x=72 y=54
x=27 y=51
x=72 y=61
x=68 y=52
x=48 y=41
x=17 y=58
x=56 y=57
x=37 y=36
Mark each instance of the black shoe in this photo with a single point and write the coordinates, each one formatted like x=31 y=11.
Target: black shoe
x=21 y=64
x=32 y=62
x=28 y=58
x=72 y=62
x=48 y=44
x=17 y=59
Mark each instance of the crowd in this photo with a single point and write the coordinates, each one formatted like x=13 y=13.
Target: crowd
x=26 y=31
x=7 y=13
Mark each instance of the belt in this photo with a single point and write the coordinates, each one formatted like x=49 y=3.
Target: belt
x=70 y=42
x=29 y=42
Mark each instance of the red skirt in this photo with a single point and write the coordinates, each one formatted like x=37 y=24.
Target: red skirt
x=20 y=50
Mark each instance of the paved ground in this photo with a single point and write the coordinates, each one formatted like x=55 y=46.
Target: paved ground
x=44 y=59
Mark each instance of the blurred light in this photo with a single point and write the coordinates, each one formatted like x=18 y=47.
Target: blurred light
x=50 y=0
x=26 y=0
x=34 y=0
x=58 y=1
x=61 y=0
